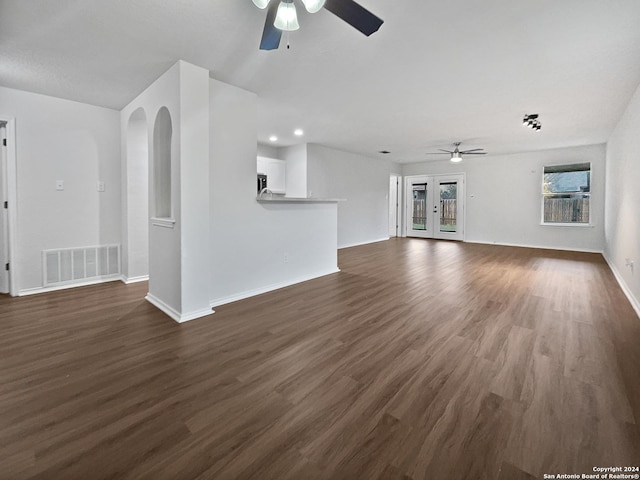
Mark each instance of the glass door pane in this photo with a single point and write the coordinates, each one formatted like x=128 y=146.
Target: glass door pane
x=448 y=206
x=419 y=216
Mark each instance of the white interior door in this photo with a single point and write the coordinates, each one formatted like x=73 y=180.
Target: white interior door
x=4 y=220
x=435 y=206
x=419 y=200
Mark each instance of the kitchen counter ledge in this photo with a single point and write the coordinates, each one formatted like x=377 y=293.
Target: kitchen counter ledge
x=298 y=200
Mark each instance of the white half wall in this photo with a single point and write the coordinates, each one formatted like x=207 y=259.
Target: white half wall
x=362 y=181
x=62 y=140
x=504 y=202
x=257 y=247
x=622 y=218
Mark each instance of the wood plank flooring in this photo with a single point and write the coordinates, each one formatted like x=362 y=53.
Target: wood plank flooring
x=421 y=359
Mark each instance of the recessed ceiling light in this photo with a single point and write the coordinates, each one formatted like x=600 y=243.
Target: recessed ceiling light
x=298 y=132
x=273 y=138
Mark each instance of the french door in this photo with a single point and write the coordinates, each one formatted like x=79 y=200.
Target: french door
x=435 y=206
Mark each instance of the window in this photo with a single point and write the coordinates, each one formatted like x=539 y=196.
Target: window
x=566 y=192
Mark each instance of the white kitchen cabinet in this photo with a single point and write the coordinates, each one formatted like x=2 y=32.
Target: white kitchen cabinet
x=276 y=172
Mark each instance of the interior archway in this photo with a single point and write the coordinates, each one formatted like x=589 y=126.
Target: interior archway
x=136 y=252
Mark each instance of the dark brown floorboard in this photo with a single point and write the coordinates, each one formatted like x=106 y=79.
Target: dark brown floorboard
x=419 y=360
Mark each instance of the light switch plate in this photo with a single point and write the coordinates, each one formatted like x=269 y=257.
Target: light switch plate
x=100 y=186
x=59 y=185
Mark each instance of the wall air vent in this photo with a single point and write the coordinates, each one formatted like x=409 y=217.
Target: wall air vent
x=75 y=265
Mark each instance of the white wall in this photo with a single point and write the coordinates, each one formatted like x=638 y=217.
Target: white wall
x=362 y=181
x=70 y=141
x=503 y=196
x=296 y=178
x=249 y=240
x=268 y=151
x=622 y=218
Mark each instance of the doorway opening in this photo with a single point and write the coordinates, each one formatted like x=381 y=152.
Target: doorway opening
x=136 y=244
x=435 y=206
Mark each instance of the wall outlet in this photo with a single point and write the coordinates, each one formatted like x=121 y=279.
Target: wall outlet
x=629 y=263
x=100 y=186
x=59 y=185
x=285 y=258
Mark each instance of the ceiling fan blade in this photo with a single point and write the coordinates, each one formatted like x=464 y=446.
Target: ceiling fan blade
x=436 y=153
x=270 y=35
x=448 y=151
x=473 y=153
x=472 y=150
x=355 y=15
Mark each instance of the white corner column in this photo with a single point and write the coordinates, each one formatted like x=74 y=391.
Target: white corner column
x=194 y=192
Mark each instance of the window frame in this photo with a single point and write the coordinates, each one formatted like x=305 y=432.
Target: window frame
x=543 y=195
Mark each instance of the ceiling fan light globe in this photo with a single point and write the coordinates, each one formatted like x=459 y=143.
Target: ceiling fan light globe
x=456 y=157
x=261 y=4
x=286 y=17
x=313 y=6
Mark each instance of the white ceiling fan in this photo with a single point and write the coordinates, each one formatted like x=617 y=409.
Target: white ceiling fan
x=281 y=16
x=456 y=153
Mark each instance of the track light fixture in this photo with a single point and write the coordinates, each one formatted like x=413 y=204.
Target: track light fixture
x=532 y=121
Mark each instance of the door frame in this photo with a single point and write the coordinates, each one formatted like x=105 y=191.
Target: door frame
x=399 y=203
x=12 y=198
x=461 y=194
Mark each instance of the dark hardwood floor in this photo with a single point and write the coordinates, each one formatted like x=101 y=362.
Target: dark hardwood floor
x=420 y=360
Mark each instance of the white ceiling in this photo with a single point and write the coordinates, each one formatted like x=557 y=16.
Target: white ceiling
x=435 y=73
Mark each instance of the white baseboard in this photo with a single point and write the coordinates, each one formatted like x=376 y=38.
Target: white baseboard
x=128 y=280
x=623 y=285
x=563 y=249
x=269 y=288
x=173 y=313
x=384 y=239
x=84 y=283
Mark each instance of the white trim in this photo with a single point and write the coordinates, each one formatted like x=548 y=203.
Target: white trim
x=269 y=288
x=163 y=222
x=93 y=281
x=128 y=281
x=581 y=225
x=12 y=198
x=623 y=285
x=171 y=312
x=383 y=239
x=564 y=249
